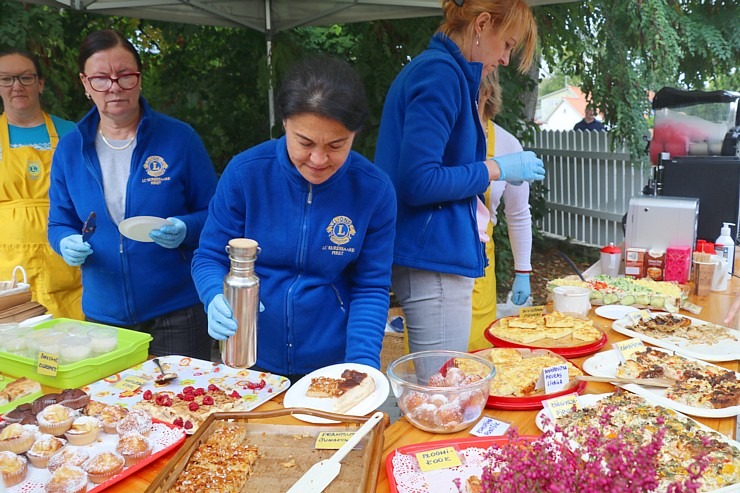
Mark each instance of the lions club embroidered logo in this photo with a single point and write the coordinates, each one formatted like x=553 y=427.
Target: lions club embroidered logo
x=155 y=167
x=340 y=230
x=34 y=169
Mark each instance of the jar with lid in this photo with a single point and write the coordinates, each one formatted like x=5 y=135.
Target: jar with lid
x=241 y=290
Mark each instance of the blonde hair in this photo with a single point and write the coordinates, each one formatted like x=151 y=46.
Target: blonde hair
x=491 y=105
x=507 y=15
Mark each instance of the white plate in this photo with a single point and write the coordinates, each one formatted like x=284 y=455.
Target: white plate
x=138 y=228
x=614 y=312
x=724 y=350
x=296 y=394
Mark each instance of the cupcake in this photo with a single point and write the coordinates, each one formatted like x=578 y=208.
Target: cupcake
x=103 y=466
x=68 y=456
x=16 y=438
x=67 y=479
x=44 y=401
x=134 y=447
x=84 y=430
x=74 y=398
x=136 y=421
x=94 y=408
x=55 y=419
x=43 y=448
x=110 y=416
x=13 y=467
x=22 y=414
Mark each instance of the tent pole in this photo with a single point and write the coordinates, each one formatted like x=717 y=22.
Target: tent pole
x=268 y=37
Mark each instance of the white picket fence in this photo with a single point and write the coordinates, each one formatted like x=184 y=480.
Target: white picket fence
x=589 y=185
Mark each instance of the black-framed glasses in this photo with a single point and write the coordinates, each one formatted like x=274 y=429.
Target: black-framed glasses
x=24 y=79
x=102 y=83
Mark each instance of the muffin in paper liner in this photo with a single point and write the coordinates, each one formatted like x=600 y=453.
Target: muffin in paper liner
x=44 y=401
x=13 y=467
x=55 y=419
x=16 y=438
x=67 y=479
x=134 y=447
x=70 y=456
x=110 y=416
x=103 y=466
x=43 y=449
x=74 y=398
x=84 y=430
x=136 y=421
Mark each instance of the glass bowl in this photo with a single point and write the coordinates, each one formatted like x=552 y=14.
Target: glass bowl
x=441 y=391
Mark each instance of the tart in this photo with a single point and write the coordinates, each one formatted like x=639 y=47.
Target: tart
x=103 y=466
x=134 y=447
x=13 y=467
x=68 y=456
x=84 y=430
x=16 y=438
x=43 y=448
x=136 y=421
x=55 y=419
x=110 y=416
x=67 y=479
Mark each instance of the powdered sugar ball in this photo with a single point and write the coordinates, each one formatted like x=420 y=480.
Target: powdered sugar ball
x=425 y=415
x=455 y=377
x=438 y=400
x=437 y=380
x=412 y=399
x=449 y=415
x=471 y=378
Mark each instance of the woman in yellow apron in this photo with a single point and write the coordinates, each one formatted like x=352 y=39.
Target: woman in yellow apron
x=28 y=137
x=518 y=220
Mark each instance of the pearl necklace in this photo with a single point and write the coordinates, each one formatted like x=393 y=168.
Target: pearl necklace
x=116 y=148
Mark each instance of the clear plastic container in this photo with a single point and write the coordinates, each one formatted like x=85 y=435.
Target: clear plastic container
x=103 y=340
x=73 y=349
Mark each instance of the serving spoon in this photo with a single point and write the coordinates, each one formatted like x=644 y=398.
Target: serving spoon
x=163 y=377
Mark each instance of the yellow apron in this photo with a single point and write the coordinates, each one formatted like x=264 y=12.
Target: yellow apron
x=484 y=290
x=24 y=210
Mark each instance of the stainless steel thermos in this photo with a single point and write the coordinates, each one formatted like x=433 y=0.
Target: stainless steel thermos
x=241 y=290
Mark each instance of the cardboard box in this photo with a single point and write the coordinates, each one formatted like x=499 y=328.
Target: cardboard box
x=655 y=264
x=634 y=262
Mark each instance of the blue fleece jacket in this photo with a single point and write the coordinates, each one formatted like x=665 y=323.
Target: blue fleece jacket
x=432 y=145
x=125 y=281
x=325 y=261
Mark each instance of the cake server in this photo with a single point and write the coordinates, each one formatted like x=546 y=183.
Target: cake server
x=323 y=472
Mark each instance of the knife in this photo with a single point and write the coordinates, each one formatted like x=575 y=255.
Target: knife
x=323 y=472
x=89 y=227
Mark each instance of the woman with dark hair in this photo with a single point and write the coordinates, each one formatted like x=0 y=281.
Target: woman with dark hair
x=28 y=138
x=323 y=216
x=125 y=160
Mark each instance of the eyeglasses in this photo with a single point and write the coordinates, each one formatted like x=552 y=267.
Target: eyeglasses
x=24 y=79
x=102 y=83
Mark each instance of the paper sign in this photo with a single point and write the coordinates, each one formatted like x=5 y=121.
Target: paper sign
x=332 y=440
x=562 y=406
x=531 y=311
x=628 y=348
x=48 y=364
x=131 y=383
x=553 y=379
x=440 y=458
x=690 y=307
x=639 y=315
x=489 y=427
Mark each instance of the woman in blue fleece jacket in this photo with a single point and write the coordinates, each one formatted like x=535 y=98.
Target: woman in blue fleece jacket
x=433 y=146
x=325 y=219
x=125 y=160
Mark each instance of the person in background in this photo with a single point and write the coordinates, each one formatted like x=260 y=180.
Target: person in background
x=126 y=160
x=324 y=218
x=589 y=122
x=518 y=220
x=28 y=138
x=432 y=145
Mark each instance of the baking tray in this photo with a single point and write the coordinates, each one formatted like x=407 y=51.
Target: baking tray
x=279 y=443
x=133 y=348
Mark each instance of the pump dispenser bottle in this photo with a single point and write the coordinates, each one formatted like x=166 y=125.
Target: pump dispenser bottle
x=725 y=246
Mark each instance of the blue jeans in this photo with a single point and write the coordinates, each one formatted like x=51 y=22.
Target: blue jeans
x=438 y=308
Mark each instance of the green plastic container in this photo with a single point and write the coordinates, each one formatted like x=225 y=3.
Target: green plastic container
x=133 y=348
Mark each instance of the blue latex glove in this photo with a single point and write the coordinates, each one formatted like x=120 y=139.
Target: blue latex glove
x=171 y=235
x=74 y=250
x=520 y=290
x=520 y=167
x=221 y=323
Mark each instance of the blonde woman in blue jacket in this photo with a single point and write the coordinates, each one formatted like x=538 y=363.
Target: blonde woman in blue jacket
x=432 y=145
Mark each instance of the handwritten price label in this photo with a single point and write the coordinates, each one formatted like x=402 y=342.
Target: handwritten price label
x=562 y=406
x=332 y=440
x=131 y=383
x=531 y=311
x=48 y=364
x=442 y=458
x=628 y=348
x=553 y=379
x=489 y=427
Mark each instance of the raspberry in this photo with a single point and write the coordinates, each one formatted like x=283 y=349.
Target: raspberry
x=177 y=422
x=188 y=397
x=234 y=394
x=159 y=399
x=207 y=400
x=188 y=390
x=200 y=391
x=181 y=397
x=193 y=406
x=148 y=395
x=167 y=401
x=212 y=388
x=188 y=425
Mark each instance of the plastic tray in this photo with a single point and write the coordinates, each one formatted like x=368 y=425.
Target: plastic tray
x=133 y=348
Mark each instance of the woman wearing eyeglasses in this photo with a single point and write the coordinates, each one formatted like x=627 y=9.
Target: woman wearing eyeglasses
x=28 y=137
x=125 y=160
